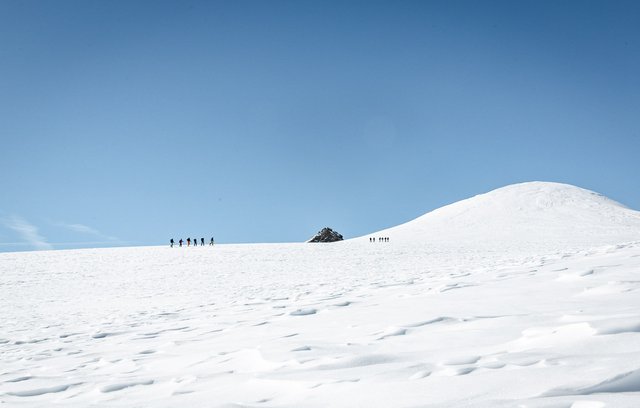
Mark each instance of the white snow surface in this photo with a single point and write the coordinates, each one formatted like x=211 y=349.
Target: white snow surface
x=534 y=216
x=527 y=296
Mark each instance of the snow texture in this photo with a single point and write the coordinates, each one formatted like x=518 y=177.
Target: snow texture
x=527 y=296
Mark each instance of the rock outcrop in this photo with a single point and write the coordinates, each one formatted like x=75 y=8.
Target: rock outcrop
x=326 y=235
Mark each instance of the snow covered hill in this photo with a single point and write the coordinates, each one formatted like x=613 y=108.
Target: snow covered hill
x=527 y=216
x=527 y=296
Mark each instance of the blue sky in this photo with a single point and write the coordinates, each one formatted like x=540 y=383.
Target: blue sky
x=128 y=123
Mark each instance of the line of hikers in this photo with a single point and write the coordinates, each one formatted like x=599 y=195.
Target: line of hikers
x=189 y=240
x=380 y=239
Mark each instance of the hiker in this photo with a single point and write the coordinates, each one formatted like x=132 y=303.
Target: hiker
x=201 y=241
x=171 y=242
x=180 y=242
x=188 y=241
x=195 y=242
x=211 y=243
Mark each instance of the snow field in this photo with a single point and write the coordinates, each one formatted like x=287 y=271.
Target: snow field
x=527 y=296
x=331 y=325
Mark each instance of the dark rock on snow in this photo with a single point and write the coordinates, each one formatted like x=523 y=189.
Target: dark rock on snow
x=326 y=235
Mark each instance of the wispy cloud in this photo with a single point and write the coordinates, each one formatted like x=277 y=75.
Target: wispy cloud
x=82 y=229
x=85 y=229
x=67 y=245
x=26 y=231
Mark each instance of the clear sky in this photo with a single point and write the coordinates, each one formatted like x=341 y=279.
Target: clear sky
x=132 y=122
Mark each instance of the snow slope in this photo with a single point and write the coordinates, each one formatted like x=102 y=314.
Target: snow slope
x=542 y=311
x=527 y=216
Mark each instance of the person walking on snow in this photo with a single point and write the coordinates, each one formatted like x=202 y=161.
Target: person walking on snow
x=188 y=241
x=195 y=242
x=180 y=242
x=211 y=243
x=201 y=241
x=171 y=242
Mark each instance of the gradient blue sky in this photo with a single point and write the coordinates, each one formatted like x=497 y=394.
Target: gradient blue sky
x=131 y=122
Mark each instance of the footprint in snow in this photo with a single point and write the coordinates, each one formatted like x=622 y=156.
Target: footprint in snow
x=41 y=391
x=420 y=374
x=102 y=335
x=19 y=379
x=393 y=331
x=303 y=312
x=456 y=371
x=452 y=286
x=494 y=365
x=462 y=360
x=122 y=386
x=427 y=322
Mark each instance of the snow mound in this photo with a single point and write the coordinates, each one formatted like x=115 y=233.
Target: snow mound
x=526 y=215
